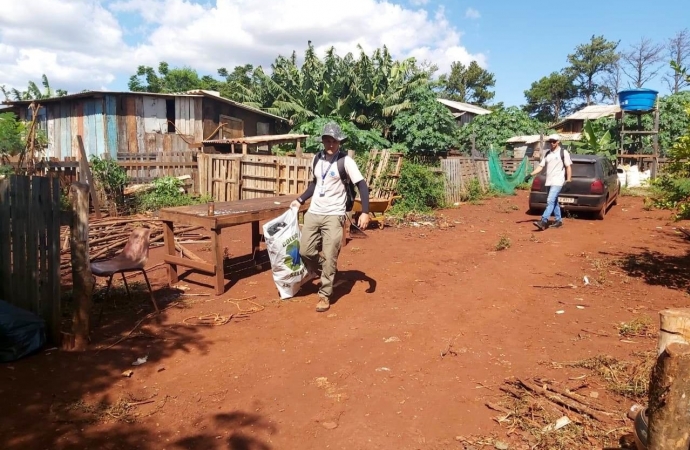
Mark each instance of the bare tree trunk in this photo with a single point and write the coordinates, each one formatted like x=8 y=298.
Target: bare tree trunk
x=82 y=279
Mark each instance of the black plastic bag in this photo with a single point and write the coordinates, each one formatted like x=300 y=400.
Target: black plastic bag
x=21 y=332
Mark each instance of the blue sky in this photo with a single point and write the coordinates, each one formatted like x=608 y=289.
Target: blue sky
x=526 y=40
x=519 y=41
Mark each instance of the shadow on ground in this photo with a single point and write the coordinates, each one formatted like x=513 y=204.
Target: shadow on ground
x=64 y=400
x=670 y=269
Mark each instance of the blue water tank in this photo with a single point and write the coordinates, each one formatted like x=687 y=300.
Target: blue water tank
x=639 y=99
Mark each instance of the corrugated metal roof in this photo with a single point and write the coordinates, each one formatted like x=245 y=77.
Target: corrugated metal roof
x=198 y=93
x=591 y=112
x=257 y=139
x=465 y=107
x=531 y=139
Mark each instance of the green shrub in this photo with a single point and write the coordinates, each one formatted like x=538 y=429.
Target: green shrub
x=167 y=192
x=111 y=178
x=421 y=189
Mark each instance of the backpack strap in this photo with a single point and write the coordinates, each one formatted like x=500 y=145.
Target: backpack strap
x=563 y=157
x=341 y=168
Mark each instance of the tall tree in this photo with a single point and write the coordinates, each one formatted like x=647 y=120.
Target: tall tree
x=179 y=79
x=470 y=84
x=641 y=62
x=678 y=50
x=589 y=61
x=551 y=97
x=33 y=92
x=612 y=82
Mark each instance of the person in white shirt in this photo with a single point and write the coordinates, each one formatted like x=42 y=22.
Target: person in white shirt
x=325 y=218
x=558 y=174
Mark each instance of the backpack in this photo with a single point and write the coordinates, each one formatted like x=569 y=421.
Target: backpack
x=350 y=193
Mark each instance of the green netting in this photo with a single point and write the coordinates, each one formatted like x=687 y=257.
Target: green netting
x=500 y=180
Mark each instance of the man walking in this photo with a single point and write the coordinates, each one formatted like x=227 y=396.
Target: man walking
x=325 y=218
x=558 y=174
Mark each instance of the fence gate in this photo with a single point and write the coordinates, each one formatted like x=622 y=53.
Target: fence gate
x=219 y=176
x=30 y=247
x=266 y=176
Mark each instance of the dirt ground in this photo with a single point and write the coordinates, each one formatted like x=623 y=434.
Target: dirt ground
x=427 y=326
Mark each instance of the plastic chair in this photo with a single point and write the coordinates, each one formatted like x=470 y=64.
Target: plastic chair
x=132 y=259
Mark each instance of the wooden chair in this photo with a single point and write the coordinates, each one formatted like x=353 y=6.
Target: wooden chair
x=132 y=259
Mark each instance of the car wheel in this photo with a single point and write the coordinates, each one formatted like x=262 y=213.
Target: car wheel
x=602 y=212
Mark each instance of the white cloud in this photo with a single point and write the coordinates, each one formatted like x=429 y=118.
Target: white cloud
x=472 y=13
x=419 y=2
x=88 y=44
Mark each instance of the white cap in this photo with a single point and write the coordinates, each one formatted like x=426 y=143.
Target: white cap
x=553 y=137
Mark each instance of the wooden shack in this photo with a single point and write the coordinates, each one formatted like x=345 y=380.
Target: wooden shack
x=127 y=123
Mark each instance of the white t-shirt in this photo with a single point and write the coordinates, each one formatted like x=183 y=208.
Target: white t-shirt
x=330 y=196
x=555 y=172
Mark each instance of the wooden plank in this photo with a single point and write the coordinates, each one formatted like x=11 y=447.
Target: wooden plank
x=89 y=136
x=53 y=150
x=76 y=127
x=99 y=122
x=139 y=119
x=88 y=178
x=197 y=265
x=178 y=114
x=150 y=119
x=150 y=142
x=169 y=246
x=190 y=116
x=130 y=114
x=19 y=201
x=53 y=265
x=32 y=244
x=5 y=241
x=217 y=247
x=65 y=131
x=111 y=129
x=122 y=137
x=198 y=131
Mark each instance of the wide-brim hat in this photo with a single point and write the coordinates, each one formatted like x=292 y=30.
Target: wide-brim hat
x=333 y=130
x=553 y=138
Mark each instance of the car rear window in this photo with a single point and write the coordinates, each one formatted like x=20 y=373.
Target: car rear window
x=583 y=170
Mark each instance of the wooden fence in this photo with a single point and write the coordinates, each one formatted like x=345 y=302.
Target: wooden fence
x=459 y=171
x=235 y=177
x=146 y=167
x=30 y=247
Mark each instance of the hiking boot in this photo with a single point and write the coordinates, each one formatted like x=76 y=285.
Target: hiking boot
x=323 y=304
x=557 y=224
x=542 y=224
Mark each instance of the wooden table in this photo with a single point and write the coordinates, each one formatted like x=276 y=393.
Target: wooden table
x=227 y=214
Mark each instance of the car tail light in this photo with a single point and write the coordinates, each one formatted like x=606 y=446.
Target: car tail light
x=597 y=187
x=536 y=184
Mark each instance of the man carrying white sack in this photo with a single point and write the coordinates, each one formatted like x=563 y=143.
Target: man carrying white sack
x=325 y=218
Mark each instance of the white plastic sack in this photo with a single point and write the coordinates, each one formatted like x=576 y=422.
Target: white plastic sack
x=282 y=236
x=633 y=177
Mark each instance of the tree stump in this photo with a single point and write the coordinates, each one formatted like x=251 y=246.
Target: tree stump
x=674 y=327
x=82 y=279
x=669 y=387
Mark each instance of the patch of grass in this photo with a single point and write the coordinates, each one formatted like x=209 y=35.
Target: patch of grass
x=524 y=186
x=507 y=207
x=503 y=243
x=635 y=192
x=638 y=327
x=627 y=378
x=532 y=414
x=474 y=192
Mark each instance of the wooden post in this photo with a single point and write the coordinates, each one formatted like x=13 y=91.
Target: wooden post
x=298 y=150
x=87 y=177
x=244 y=148
x=82 y=279
x=669 y=387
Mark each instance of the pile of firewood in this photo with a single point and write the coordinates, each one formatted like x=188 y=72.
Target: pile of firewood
x=108 y=237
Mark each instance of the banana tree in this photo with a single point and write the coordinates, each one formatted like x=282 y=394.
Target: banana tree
x=596 y=140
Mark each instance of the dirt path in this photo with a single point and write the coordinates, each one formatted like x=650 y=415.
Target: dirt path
x=369 y=373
